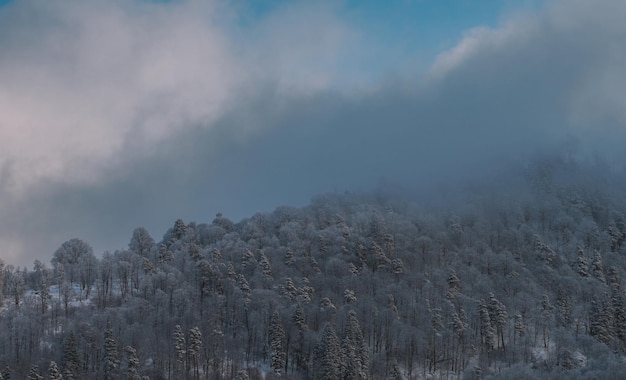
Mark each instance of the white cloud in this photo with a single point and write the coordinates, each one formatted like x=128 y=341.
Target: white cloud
x=83 y=81
x=572 y=48
x=79 y=78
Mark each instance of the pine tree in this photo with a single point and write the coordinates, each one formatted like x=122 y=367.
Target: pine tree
x=487 y=332
x=394 y=371
x=614 y=278
x=289 y=290
x=397 y=266
x=355 y=350
x=165 y=255
x=242 y=375
x=180 y=346
x=299 y=319
x=582 y=263
x=597 y=269
x=328 y=356
x=289 y=257
x=276 y=336
x=602 y=319
x=53 y=371
x=195 y=252
x=132 y=370
x=179 y=230
x=265 y=266
x=111 y=359
x=498 y=316
x=71 y=360
x=195 y=347
x=247 y=259
x=458 y=325
x=454 y=285
x=243 y=284
x=33 y=374
x=564 y=308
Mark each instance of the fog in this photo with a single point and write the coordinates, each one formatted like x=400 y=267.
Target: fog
x=98 y=139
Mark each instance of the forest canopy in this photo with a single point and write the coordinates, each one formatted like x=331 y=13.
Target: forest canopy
x=518 y=277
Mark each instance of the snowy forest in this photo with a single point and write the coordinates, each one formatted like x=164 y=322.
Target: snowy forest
x=520 y=276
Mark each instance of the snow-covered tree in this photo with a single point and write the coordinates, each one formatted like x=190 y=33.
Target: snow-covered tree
x=34 y=374
x=53 y=371
x=180 y=348
x=597 y=268
x=487 y=331
x=71 y=360
x=132 y=369
x=111 y=361
x=70 y=255
x=141 y=242
x=355 y=350
x=328 y=359
x=498 y=316
x=195 y=349
x=276 y=337
x=582 y=263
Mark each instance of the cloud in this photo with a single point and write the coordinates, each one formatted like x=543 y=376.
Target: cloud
x=125 y=114
x=79 y=79
x=570 y=56
x=82 y=82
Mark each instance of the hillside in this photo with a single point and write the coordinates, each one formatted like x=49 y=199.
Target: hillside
x=519 y=278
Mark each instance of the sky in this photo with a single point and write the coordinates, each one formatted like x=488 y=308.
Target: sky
x=116 y=114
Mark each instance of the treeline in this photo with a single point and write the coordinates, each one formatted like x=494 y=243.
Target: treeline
x=501 y=281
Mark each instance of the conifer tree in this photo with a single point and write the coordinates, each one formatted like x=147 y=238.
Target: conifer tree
x=487 y=332
x=355 y=350
x=394 y=371
x=111 y=359
x=33 y=374
x=328 y=356
x=289 y=257
x=597 y=269
x=53 y=371
x=180 y=347
x=582 y=263
x=242 y=375
x=195 y=349
x=265 y=266
x=299 y=320
x=132 y=370
x=498 y=316
x=454 y=285
x=247 y=259
x=601 y=320
x=179 y=230
x=564 y=308
x=71 y=360
x=276 y=336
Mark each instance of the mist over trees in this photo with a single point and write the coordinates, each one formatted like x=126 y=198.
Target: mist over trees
x=516 y=278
